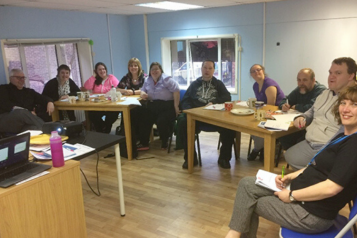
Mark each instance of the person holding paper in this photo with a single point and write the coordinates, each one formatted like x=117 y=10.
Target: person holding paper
x=316 y=193
x=301 y=99
x=268 y=91
x=205 y=91
x=319 y=122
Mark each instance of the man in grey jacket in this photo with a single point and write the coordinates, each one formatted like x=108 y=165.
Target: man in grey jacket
x=318 y=120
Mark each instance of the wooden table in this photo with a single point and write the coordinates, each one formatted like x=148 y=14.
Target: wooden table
x=48 y=206
x=100 y=106
x=246 y=124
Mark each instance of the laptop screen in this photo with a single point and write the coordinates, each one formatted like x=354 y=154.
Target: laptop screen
x=14 y=150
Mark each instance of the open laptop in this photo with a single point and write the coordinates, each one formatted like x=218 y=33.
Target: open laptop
x=14 y=163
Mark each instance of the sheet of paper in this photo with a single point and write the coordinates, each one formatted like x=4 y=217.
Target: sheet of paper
x=40 y=147
x=130 y=101
x=266 y=179
x=242 y=103
x=262 y=125
x=280 y=125
x=286 y=117
x=218 y=107
x=32 y=132
x=33 y=177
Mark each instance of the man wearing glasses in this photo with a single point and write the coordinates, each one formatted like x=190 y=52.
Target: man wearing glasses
x=17 y=105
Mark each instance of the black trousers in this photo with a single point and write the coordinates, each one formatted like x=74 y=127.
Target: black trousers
x=162 y=113
x=100 y=125
x=227 y=137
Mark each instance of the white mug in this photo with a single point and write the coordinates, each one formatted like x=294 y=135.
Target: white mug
x=251 y=102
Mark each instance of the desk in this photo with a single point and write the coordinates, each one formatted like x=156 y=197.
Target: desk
x=100 y=106
x=246 y=124
x=101 y=141
x=48 y=206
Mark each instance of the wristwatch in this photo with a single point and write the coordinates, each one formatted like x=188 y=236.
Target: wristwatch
x=292 y=199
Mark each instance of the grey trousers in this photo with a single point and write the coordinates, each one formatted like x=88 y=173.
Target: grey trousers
x=258 y=142
x=19 y=120
x=253 y=201
x=299 y=155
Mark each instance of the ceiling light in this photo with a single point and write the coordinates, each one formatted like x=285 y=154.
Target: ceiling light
x=173 y=6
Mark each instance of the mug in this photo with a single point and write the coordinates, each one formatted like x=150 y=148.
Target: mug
x=86 y=96
x=80 y=96
x=259 y=104
x=260 y=115
x=228 y=106
x=251 y=102
x=72 y=99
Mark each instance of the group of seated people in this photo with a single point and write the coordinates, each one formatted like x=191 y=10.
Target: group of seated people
x=321 y=152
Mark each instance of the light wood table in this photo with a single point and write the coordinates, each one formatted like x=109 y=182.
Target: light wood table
x=100 y=106
x=48 y=206
x=246 y=124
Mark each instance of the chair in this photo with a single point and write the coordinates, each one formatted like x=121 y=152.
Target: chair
x=340 y=229
x=280 y=148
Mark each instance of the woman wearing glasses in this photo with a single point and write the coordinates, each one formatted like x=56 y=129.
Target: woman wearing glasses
x=316 y=193
x=269 y=92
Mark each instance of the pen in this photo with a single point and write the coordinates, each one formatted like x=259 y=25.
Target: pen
x=282 y=172
x=287 y=101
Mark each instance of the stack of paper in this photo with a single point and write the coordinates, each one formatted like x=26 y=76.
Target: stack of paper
x=218 y=107
x=69 y=152
x=267 y=180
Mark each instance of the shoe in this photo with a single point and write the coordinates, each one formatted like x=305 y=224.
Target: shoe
x=185 y=164
x=253 y=155
x=141 y=147
x=224 y=164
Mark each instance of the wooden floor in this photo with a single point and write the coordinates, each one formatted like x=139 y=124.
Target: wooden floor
x=162 y=199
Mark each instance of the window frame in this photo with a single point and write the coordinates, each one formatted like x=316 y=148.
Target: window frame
x=84 y=50
x=166 y=55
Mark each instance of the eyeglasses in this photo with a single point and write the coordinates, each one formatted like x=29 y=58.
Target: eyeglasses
x=255 y=70
x=19 y=77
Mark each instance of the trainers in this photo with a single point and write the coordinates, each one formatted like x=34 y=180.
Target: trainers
x=185 y=164
x=253 y=155
x=224 y=164
x=141 y=147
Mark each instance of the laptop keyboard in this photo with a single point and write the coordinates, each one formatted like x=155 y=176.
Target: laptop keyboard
x=16 y=171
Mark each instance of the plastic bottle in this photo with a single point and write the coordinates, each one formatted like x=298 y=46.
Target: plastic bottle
x=56 y=149
x=113 y=94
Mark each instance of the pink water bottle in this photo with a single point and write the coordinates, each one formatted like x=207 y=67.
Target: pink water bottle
x=56 y=149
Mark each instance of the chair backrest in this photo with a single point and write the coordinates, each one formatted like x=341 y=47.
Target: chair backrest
x=182 y=93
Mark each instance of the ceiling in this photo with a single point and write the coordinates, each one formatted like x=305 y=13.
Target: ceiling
x=123 y=7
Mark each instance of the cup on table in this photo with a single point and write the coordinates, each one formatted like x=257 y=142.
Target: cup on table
x=251 y=102
x=81 y=96
x=86 y=96
x=259 y=104
x=260 y=115
x=228 y=106
x=72 y=99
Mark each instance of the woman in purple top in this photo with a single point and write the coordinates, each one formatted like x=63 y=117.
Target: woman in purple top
x=268 y=91
x=162 y=94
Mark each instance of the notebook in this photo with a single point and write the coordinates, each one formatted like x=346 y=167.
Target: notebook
x=14 y=163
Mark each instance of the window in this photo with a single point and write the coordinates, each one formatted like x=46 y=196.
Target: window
x=39 y=59
x=186 y=57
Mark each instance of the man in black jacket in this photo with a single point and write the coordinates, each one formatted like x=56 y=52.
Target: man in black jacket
x=207 y=90
x=18 y=103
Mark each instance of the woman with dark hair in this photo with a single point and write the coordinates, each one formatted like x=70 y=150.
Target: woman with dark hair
x=60 y=88
x=162 y=94
x=316 y=193
x=101 y=83
x=267 y=91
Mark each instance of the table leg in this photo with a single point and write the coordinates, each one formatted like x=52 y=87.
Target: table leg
x=55 y=115
x=127 y=128
x=191 y=128
x=88 y=123
x=237 y=144
x=120 y=180
x=269 y=152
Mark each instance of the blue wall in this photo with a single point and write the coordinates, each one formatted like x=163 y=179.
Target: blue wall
x=32 y=23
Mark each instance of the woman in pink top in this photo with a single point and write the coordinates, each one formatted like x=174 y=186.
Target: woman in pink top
x=101 y=83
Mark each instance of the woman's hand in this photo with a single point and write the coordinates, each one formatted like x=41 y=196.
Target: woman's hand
x=83 y=89
x=123 y=91
x=282 y=182
x=283 y=195
x=50 y=108
x=63 y=97
x=144 y=95
x=177 y=110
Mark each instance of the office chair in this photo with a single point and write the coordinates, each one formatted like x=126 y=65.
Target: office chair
x=340 y=229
